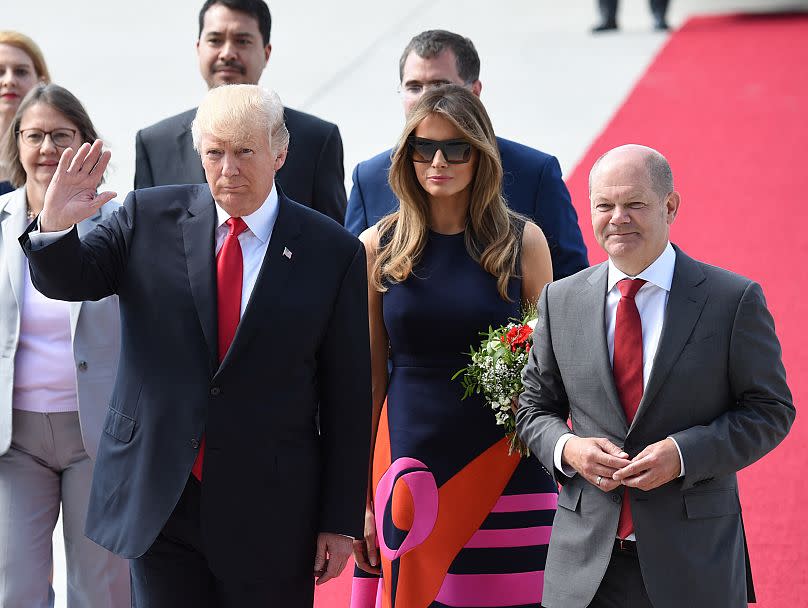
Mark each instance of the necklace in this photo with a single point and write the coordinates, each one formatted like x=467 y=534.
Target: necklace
x=30 y=213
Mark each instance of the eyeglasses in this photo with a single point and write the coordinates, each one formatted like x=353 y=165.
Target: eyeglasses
x=61 y=138
x=455 y=151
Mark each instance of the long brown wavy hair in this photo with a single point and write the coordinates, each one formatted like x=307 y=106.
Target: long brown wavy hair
x=491 y=236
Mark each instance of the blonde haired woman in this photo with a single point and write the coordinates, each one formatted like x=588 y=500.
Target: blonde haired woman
x=457 y=520
x=22 y=66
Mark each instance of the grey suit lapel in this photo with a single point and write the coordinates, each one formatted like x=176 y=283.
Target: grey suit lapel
x=594 y=320
x=14 y=222
x=198 y=240
x=685 y=303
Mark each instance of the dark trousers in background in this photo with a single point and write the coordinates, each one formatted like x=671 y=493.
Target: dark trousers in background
x=608 y=10
x=174 y=572
x=622 y=585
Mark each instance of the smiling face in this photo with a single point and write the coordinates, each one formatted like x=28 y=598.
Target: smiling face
x=240 y=173
x=17 y=77
x=630 y=220
x=230 y=48
x=39 y=162
x=440 y=179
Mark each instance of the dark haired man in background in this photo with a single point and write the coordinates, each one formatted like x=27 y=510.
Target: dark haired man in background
x=233 y=48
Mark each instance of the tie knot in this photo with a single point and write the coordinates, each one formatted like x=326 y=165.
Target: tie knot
x=236 y=225
x=629 y=287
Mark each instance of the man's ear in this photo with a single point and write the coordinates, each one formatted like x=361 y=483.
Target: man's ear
x=672 y=205
x=280 y=159
x=477 y=87
x=267 y=53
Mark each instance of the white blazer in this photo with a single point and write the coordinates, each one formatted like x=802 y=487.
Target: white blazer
x=94 y=328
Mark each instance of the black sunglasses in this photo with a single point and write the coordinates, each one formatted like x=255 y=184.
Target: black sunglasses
x=455 y=151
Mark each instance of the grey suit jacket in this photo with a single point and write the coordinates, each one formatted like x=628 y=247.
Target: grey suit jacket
x=94 y=328
x=717 y=386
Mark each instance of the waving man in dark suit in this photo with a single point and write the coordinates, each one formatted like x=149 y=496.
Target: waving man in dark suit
x=244 y=315
x=671 y=373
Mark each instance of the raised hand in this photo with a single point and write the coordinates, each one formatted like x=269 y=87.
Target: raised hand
x=71 y=196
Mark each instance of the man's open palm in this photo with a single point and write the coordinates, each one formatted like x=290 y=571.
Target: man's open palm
x=72 y=194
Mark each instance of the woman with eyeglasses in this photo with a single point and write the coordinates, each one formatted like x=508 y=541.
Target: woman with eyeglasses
x=457 y=521
x=58 y=362
x=22 y=66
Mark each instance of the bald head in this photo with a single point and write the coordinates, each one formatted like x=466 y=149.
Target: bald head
x=658 y=170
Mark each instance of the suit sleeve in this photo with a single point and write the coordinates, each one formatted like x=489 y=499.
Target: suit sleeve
x=77 y=270
x=329 y=179
x=345 y=405
x=763 y=411
x=143 y=172
x=557 y=218
x=356 y=218
x=541 y=419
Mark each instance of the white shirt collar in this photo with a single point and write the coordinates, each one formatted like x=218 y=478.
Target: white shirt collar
x=261 y=221
x=660 y=272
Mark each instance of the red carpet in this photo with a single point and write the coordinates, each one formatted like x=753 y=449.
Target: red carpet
x=726 y=101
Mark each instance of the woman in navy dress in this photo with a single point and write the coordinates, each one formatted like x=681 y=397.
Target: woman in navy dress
x=452 y=518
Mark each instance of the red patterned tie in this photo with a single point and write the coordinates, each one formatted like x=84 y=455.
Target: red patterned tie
x=627 y=369
x=229 y=279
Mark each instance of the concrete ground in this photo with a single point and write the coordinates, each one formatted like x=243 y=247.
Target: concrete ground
x=547 y=82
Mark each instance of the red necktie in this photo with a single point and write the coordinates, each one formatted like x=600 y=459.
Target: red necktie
x=229 y=279
x=627 y=369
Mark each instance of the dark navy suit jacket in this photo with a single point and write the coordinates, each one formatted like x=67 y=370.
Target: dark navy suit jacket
x=532 y=185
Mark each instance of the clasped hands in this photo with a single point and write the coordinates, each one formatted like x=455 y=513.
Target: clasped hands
x=594 y=457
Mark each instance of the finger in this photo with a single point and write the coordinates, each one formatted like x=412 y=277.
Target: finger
x=645 y=481
x=613 y=462
x=64 y=161
x=608 y=447
x=632 y=470
x=101 y=165
x=93 y=156
x=319 y=556
x=78 y=159
x=372 y=552
x=103 y=198
x=360 y=555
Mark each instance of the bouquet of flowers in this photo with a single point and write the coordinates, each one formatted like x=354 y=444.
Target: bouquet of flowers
x=496 y=372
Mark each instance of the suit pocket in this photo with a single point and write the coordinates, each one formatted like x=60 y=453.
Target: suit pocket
x=119 y=425
x=570 y=496
x=717 y=503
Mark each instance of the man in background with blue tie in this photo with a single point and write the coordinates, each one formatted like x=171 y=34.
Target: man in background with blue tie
x=671 y=373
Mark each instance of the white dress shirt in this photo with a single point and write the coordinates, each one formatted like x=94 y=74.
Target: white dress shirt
x=651 y=300
x=254 y=241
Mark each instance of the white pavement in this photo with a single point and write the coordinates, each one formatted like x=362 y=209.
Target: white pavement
x=547 y=82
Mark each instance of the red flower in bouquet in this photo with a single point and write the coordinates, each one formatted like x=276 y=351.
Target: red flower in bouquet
x=519 y=336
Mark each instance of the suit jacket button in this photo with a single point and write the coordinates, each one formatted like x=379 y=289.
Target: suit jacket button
x=215 y=391
x=82 y=366
x=615 y=497
x=195 y=443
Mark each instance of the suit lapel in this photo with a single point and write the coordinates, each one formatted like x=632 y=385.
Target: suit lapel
x=685 y=303
x=198 y=240
x=594 y=315
x=14 y=224
x=189 y=157
x=270 y=285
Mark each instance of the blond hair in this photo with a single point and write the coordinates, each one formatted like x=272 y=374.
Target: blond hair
x=235 y=112
x=31 y=48
x=491 y=235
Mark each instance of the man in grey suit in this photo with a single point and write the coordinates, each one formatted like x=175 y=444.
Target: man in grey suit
x=671 y=373
x=233 y=48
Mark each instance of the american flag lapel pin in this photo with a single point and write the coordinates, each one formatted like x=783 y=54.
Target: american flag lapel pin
x=286 y=253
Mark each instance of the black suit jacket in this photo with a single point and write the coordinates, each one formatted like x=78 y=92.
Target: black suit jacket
x=271 y=481
x=313 y=173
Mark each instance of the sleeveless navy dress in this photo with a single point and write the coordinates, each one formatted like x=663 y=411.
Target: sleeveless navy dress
x=459 y=521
